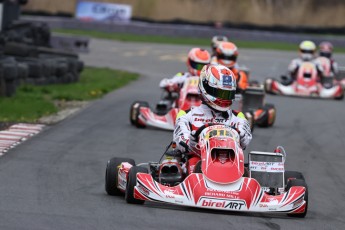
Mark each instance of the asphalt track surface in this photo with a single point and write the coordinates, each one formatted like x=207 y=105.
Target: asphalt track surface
x=55 y=180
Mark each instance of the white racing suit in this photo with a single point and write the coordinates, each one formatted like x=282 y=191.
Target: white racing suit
x=175 y=83
x=197 y=117
x=331 y=69
x=296 y=63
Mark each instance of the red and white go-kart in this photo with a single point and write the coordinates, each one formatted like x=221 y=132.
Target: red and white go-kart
x=307 y=84
x=220 y=180
x=164 y=116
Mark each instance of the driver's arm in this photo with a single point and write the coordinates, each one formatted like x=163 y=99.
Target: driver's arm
x=243 y=127
x=182 y=129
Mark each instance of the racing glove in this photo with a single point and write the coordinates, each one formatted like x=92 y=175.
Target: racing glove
x=245 y=133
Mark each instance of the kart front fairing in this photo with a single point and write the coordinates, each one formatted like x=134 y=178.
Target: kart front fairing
x=243 y=195
x=220 y=185
x=148 y=118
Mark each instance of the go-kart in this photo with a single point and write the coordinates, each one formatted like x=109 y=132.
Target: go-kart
x=307 y=84
x=164 y=116
x=220 y=180
x=251 y=103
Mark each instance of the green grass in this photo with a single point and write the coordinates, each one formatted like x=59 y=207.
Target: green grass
x=32 y=102
x=181 y=41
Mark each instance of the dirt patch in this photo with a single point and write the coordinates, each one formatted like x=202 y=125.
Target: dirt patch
x=66 y=108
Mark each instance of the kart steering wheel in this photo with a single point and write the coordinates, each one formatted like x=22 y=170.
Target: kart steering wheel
x=199 y=130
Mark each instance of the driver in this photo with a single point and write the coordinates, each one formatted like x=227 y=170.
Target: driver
x=197 y=58
x=307 y=51
x=217 y=86
x=226 y=54
x=326 y=50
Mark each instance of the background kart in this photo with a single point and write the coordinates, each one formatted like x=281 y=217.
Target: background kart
x=219 y=181
x=252 y=103
x=306 y=85
x=164 y=115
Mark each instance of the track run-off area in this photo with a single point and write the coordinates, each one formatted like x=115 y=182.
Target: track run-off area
x=55 y=180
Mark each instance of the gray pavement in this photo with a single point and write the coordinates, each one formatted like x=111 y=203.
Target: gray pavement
x=56 y=179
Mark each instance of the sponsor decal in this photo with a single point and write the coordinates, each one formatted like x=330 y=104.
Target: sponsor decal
x=266 y=166
x=263 y=205
x=212 y=120
x=169 y=194
x=225 y=204
x=143 y=190
x=273 y=201
x=227 y=81
x=198 y=115
x=104 y=12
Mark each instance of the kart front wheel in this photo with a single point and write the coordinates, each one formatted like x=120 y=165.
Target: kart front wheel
x=134 y=112
x=289 y=175
x=299 y=182
x=131 y=183
x=111 y=175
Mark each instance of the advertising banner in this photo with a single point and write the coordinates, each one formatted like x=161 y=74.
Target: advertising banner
x=105 y=12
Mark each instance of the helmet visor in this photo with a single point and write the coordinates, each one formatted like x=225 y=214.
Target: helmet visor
x=307 y=51
x=219 y=93
x=196 y=65
x=325 y=54
x=225 y=57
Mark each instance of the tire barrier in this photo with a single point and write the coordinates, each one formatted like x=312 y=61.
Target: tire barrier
x=17 y=134
x=27 y=57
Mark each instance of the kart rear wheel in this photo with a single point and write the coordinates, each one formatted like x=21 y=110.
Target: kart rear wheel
x=288 y=175
x=299 y=182
x=134 y=112
x=341 y=97
x=268 y=116
x=111 y=175
x=268 y=86
x=131 y=183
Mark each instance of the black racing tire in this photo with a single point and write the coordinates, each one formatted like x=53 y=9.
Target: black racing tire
x=268 y=86
x=10 y=71
x=131 y=183
x=292 y=175
x=19 y=49
x=341 y=97
x=265 y=121
x=134 y=112
x=35 y=68
x=299 y=182
x=61 y=68
x=23 y=71
x=111 y=175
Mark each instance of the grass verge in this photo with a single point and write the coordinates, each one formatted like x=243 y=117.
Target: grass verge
x=32 y=102
x=180 y=41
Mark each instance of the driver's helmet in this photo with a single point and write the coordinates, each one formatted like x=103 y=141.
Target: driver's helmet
x=307 y=50
x=197 y=58
x=215 y=40
x=325 y=49
x=217 y=86
x=227 y=53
